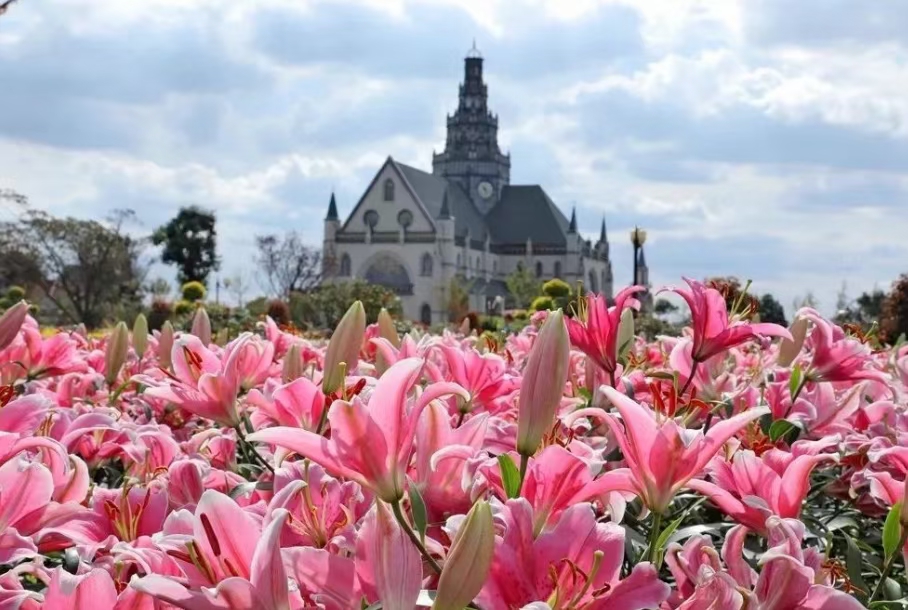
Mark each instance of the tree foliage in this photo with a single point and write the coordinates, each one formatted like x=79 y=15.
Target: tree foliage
x=85 y=268
x=287 y=263
x=864 y=311
x=771 y=310
x=894 y=314
x=323 y=307
x=190 y=243
x=523 y=286
x=458 y=298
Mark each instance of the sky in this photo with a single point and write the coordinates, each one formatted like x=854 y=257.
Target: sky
x=766 y=139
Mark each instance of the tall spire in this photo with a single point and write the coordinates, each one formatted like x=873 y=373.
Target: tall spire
x=445 y=212
x=602 y=236
x=332 y=209
x=572 y=228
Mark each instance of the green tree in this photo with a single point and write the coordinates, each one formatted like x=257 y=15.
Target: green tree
x=664 y=307
x=324 y=306
x=89 y=270
x=771 y=310
x=523 y=286
x=894 y=314
x=190 y=243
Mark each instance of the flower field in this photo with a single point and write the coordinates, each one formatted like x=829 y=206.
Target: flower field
x=571 y=466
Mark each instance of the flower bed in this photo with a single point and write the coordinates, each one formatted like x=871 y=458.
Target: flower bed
x=571 y=466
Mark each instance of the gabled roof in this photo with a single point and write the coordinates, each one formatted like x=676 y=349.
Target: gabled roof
x=432 y=189
x=397 y=168
x=526 y=212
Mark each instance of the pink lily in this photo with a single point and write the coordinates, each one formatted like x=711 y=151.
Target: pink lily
x=80 y=592
x=388 y=565
x=712 y=330
x=484 y=376
x=661 y=455
x=597 y=334
x=298 y=404
x=25 y=489
x=131 y=512
x=575 y=564
x=836 y=357
x=228 y=551
x=750 y=489
x=371 y=446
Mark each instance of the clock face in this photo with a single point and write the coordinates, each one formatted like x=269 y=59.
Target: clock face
x=485 y=190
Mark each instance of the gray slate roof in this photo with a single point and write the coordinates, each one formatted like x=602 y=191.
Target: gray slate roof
x=431 y=189
x=523 y=211
x=527 y=212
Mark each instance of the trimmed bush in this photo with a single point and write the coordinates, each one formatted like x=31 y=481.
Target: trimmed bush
x=15 y=294
x=557 y=289
x=542 y=303
x=184 y=307
x=279 y=311
x=160 y=312
x=193 y=291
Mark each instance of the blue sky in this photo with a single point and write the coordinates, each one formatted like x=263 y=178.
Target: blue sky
x=763 y=138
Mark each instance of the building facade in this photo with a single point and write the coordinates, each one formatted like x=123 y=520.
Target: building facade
x=419 y=233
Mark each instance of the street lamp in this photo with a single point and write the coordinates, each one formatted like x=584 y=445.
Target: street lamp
x=638 y=237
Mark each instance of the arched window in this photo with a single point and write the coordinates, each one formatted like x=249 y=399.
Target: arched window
x=426 y=265
x=345 y=265
x=495 y=266
x=594 y=285
x=539 y=269
x=425 y=314
x=459 y=261
x=558 y=269
x=389 y=190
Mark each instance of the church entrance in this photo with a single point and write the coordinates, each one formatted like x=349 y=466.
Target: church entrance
x=425 y=314
x=386 y=270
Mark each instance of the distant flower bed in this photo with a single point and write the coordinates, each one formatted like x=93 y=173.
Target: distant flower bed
x=571 y=465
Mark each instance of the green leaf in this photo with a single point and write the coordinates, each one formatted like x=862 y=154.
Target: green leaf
x=841 y=522
x=854 y=562
x=510 y=476
x=242 y=489
x=783 y=429
x=418 y=508
x=668 y=531
x=794 y=382
x=892 y=530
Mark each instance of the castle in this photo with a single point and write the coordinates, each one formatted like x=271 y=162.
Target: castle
x=418 y=232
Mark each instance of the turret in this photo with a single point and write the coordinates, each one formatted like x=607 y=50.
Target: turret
x=332 y=226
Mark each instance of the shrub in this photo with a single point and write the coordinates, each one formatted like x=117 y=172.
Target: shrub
x=184 y=307
x=15 y=294
x=160 y=312
x=521 y=314
x=193 y=291
x=490 y=323
x=557 y=289
x=542 y=303
x=279 y=311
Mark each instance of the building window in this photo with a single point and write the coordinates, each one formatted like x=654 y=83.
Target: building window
x=370 y=218
x=558 y=269
x=495 y=266
x=459 y=259
x=389 y=190
x=539 y=269
x=426 y=266
x=345 y=265
x=425 y=314
x=594 y=285
x=405 y=219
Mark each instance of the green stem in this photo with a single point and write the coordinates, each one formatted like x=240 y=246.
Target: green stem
x=690 y=378
x=251 y=451
x=653 y=550
x=322 y=421
x=797 y=393
x=399 y=515
x=887 y=567
x=524 y=462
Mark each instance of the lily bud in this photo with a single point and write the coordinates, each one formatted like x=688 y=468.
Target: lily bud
x=115 y=353
x=293 y=364
x=11 y=321
x=789 y=350
x=543 y=383
x=165 y=344
x=201 y=326
x=344 y=347
x=386 y=327
x=140 y=335
x=469 y=560
x=625 y=335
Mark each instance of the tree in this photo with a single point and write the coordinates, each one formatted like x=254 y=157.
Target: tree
x=4 y=6
x=87 y=269
x=323 y=307
x=523 y=286
x=238 y=285
x=664 y=307
x=864 y=311
x=287 y=264
x=190 y=243
x=158 y=288
x=771 y=310
x=894 y=314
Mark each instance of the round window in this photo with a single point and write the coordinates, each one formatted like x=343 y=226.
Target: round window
x=371 y=218
x=405 y=218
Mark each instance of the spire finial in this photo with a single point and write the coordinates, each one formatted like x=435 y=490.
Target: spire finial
x=445 y=212
x=332 y=208
x=602 y=236
x=572 y=228
x=474 y=53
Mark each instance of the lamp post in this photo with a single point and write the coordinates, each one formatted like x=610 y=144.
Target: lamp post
x=638 y=237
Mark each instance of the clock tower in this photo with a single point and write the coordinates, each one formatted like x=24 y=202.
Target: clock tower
x=471 y=156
